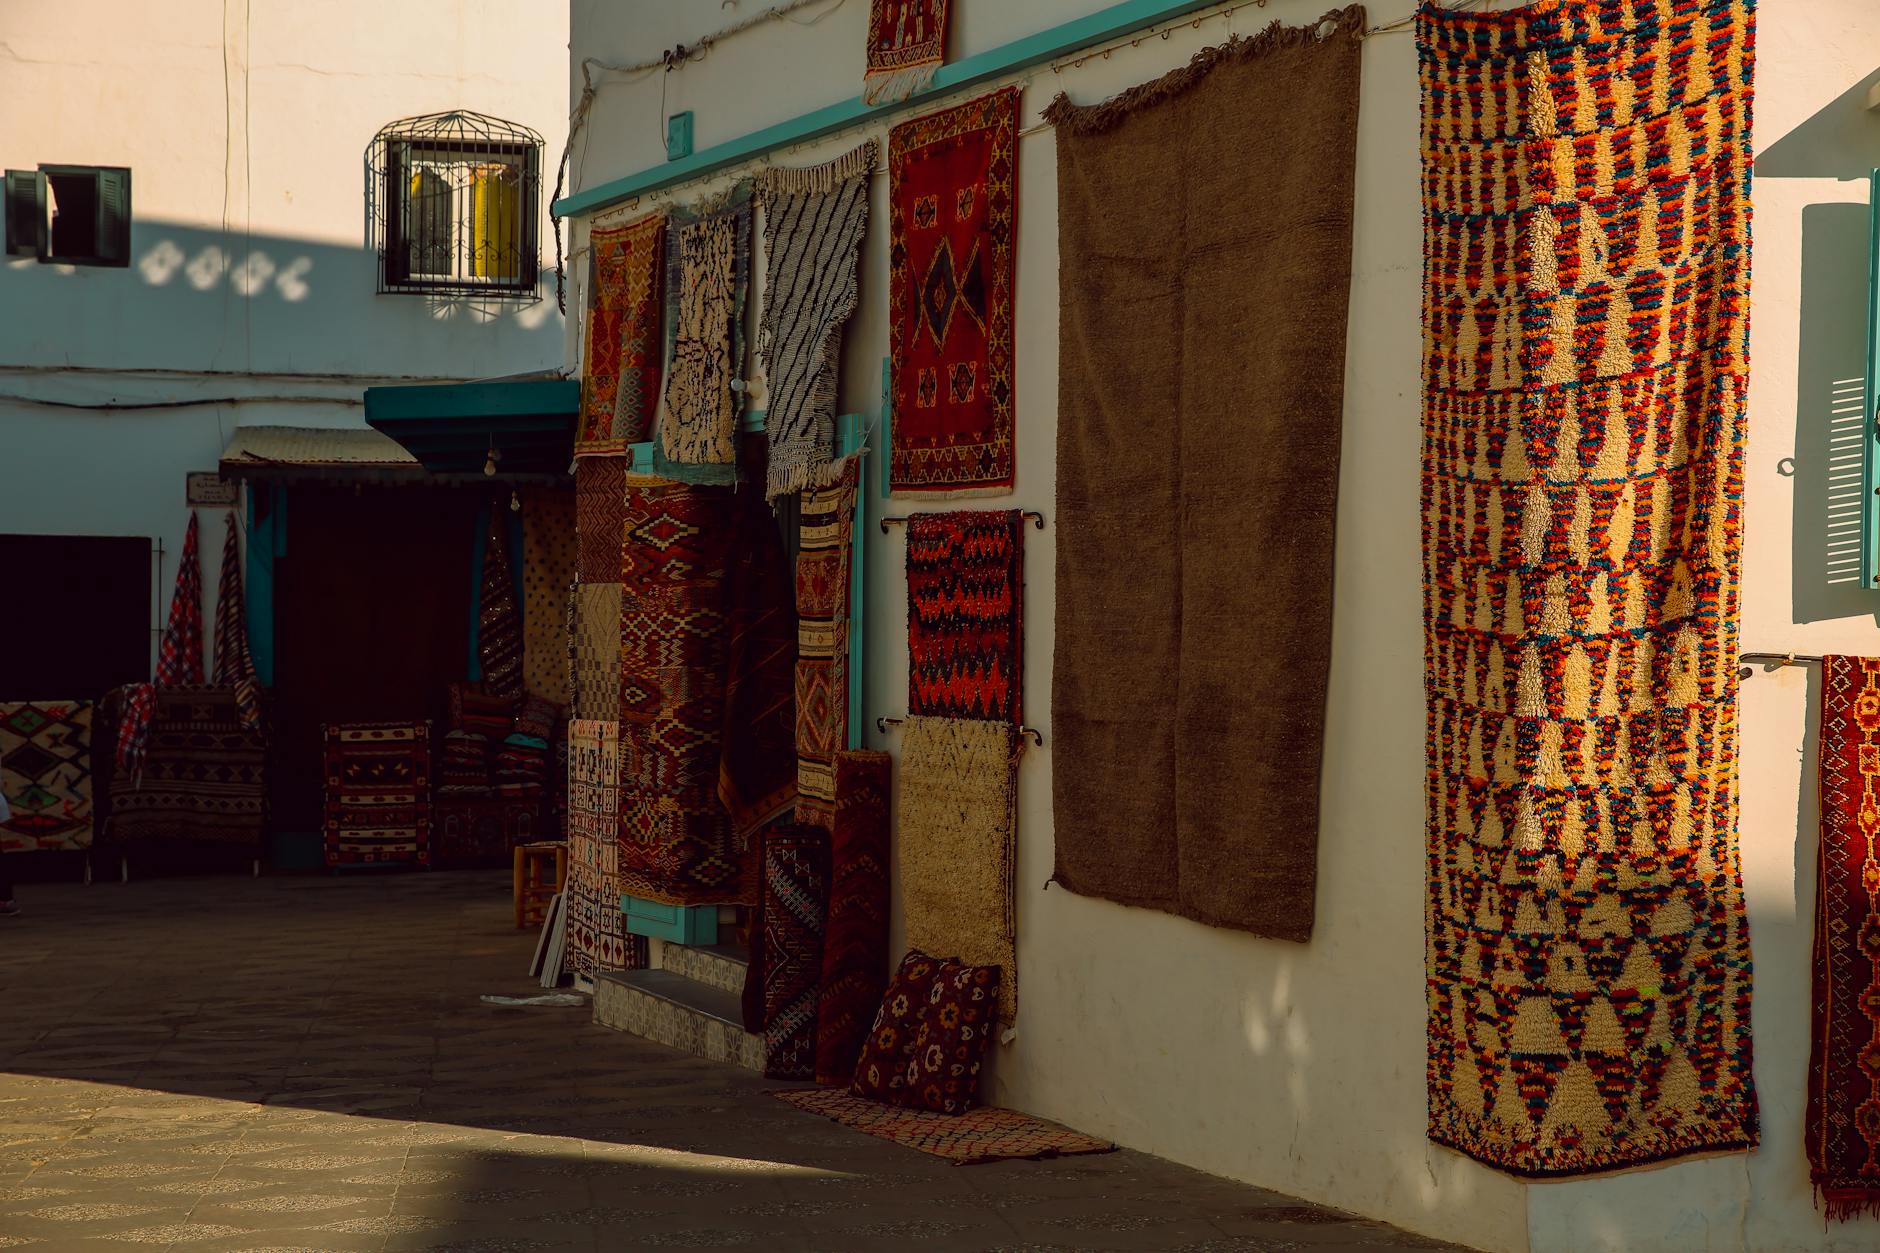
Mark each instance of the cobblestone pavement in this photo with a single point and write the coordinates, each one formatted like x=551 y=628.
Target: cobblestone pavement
x=303 y=1063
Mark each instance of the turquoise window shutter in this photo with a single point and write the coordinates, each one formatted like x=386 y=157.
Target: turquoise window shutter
x=1870 y=446
x=114 y=216
x=26 y=213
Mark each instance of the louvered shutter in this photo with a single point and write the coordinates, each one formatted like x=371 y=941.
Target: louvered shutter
x=26 y=213
x=114 y=216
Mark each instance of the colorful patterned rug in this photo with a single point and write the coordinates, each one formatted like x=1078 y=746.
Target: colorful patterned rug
x=597 y=934
x=45 y=774
x=826 y=533
x=1843 y=1126
x=958 y=830
x=548 y=553
x=855 y=946
x=979 y=1135
x=708 y=276
x=1586 y=308
x=952 y=228
x=600 y=494
x=796 y=904
x=814 y=221
x=499 y=618
x=234 y=665
x=378 y=793
x=906 y=44
x=620 y=370
x=179 y=655
x=595 y=639
x=965 y=578
x=205 y=775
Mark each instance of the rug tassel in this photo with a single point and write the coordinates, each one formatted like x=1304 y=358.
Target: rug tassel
x=1843 y=1205
x=821 y=179
x=894 y=86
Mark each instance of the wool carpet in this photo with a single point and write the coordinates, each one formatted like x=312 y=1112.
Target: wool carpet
x=958 y=828
x=708 y=275
x=378 y=793
x=795 y=912
x=855 y=943
x=906 y=46
x=1189 y=679
x=234 y=664
x=620 y=370
x=469 y=832
x=204 y=779
x=953 y=233
x=45 y=774
x=600 y=493
x=597 y=934
x=979 y=1135
x=499 y=617
x=965 y=577
x=179 y=655
x=548 y=560
x=596 y=642
x=825 y=546
x=1586 y=232
x=814 y=220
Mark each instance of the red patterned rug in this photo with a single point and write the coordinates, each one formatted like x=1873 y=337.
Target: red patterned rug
x=907 y=41
x=952 y=223
x=378 y=793
x=1843 y=1128
x=855 y=943
x=980 y=1135
x=600 y=487
x=620 y=371
x=965 y=576
x=826 y=531
x=795 y=913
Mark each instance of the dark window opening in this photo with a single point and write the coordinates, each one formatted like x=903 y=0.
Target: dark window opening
x=70 y=214
x=74 y=214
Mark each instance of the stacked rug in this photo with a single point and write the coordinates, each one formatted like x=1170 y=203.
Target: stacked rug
x=378 y=793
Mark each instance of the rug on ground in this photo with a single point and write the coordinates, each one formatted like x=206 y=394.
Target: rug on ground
x=1586 y=232
x=986 y=1134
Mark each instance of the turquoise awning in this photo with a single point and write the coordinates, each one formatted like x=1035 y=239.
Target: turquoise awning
x=452 y=428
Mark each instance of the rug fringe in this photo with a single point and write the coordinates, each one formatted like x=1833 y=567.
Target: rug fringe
x=1087 y=119
x=820 y=179
x=894 y=86
x=1842 y=1205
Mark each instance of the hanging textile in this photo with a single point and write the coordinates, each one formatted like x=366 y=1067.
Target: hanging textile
x=814 y=220
x=204 y=778
x=620 y=369
x=855 y=939
x=965 y=642
x=708 y=274
x=907 y=42
x=234 y=665
x=179 y=656
x=548 y=559
x=46 y=775
x=958 y=832
x=796 y=902
x=1586 y=232
x=597 y=933
x=499 y=621
x=1190 y=677
x=378 y=793
x=952 y=237
x=824 y=582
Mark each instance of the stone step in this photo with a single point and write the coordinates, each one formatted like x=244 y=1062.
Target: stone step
x=717 y=965
x=668 y=1008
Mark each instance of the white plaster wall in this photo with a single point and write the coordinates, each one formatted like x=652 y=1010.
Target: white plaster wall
x=1301 y=1068
x=245 y=127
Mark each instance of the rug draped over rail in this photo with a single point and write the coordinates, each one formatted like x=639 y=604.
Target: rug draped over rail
x=204 y=778
x=1190 y=675
x=620 y=369
x=708 y=277
x=826 y=533
x=1586 y=244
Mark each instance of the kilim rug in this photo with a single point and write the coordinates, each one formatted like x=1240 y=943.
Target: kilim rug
x=958 y=828
x=548 y=553
x=952 y=231
x=600 y=493
x=979 y=1135
x=965 y=575
x=706 y=638
x=597 y=934
x=179 y=655
x=482 y=832
x=45 y=774
x=708 y=275
x=906 y=45
x=1194 y=610
x=499 y=618
x=378 y=792
x=1586 y=232
x=620 y=370
x=205 y=775
x=596 y=641
x=1843 y=1127
x=855 y=946
x=814 y=220
x=796 y=903
x=826 y=536
x=234 y=665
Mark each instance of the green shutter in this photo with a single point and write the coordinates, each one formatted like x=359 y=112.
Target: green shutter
x=1870 y=444
x=114 y=216
x=26 y=213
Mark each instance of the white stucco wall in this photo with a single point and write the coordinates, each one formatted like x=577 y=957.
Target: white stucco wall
x=1301 y=1068
x=245 y=127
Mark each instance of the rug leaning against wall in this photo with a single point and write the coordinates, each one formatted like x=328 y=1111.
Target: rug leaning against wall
x=45 y=773
x=1586 y=235
x=1190 y=676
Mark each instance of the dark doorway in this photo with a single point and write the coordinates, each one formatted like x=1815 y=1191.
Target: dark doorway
x=78 y=617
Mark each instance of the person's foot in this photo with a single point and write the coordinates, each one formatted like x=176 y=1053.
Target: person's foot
x=9 y=908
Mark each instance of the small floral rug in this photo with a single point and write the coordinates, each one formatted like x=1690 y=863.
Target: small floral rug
x=981 y=1135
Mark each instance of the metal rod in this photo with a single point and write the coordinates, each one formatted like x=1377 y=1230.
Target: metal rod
x=1782 y=659
x=1031 y=733
x=1036 y=519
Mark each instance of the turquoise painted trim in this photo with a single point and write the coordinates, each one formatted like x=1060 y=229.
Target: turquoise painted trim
x=1111 y=22
x=479 y=545
x=527 y=398
x=886 y=440
x=851 y=436
x=677 y=924
x=266 y=541
x=1870 y=447
x=641 y=455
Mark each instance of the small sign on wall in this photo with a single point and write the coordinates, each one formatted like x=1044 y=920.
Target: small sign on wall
x=211 y=491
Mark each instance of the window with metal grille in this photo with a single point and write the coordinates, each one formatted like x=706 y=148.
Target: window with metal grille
x=453 y=205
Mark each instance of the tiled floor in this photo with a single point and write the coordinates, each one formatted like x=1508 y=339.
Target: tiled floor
x=303 y=1063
